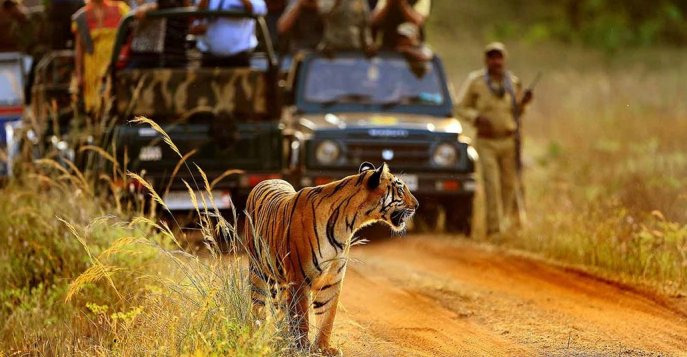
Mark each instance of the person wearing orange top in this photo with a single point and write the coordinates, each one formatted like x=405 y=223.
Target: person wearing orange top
x=95 y=29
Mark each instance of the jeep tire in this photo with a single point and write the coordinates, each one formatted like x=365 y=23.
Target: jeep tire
x=458 y=212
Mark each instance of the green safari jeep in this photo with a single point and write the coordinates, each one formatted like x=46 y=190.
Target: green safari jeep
x=350 y=108
x=229 y=117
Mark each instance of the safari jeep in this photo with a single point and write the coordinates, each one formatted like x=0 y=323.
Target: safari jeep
x=228 y=118
x=12 y=78
x=350 y=108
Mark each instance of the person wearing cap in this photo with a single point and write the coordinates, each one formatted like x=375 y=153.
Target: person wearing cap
x=490 y=99
x=389 y=14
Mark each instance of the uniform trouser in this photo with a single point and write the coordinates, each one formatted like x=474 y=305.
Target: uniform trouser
x=497 y=161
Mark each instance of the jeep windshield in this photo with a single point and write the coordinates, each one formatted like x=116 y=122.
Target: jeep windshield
x=385 y=83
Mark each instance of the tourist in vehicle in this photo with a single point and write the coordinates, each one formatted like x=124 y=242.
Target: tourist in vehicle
x=12 y=17
x=408 y=43
x=301 y=25
x=328 y=26
x=389 y=14
x=159 y=42
x=230 y=42
x=95 y=28
x=347 y=27
x=25 y=31
x=491 y=99
x=22 y=28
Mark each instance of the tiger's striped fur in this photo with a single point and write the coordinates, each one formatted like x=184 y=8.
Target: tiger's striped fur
x=304 y=238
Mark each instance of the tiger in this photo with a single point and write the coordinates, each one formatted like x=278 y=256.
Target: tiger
x=299 y=241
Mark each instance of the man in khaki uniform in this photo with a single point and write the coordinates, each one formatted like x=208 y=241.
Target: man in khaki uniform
x=490 y=99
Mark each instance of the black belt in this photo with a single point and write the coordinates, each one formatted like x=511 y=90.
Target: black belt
x=491 y=135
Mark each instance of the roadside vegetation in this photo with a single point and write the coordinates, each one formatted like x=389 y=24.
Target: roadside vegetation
x=607 y=168
x=89 y=273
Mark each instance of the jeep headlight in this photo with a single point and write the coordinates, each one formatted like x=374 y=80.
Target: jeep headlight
x=327 y=152
x=445 y=155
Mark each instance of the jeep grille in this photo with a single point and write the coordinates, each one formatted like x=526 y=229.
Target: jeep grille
x=412 y=155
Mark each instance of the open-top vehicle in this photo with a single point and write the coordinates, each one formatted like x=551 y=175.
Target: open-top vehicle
x=350 y=108
x=228 y=117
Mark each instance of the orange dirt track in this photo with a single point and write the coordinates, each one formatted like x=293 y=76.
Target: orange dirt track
x=429 y=296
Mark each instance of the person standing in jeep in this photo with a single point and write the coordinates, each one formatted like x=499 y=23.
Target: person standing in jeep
x=95 y=29
x=490 y=99
x=388 y=15
x=12 y=17
x=230 y=42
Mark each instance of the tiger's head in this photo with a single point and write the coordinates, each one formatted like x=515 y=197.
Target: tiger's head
x=390 y=199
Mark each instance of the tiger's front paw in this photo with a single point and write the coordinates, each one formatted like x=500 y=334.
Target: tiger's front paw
x=330 y=351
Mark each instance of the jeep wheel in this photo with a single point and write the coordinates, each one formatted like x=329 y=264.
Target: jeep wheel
x=459 y=215
x=427 y=218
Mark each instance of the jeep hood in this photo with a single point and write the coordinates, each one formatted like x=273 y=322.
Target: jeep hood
x=315 y=122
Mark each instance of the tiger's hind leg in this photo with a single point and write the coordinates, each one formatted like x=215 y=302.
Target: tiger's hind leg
x=260 y=289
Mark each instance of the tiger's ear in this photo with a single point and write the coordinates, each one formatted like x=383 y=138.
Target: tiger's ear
x=365 y=166
x=376 y=177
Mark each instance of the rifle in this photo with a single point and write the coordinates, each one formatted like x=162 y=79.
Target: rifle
x=520 y=189
x=518 y=131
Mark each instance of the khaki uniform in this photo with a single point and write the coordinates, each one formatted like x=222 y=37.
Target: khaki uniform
x=497 y=151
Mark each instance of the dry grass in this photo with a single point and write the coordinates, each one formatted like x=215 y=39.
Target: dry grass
x=607 y=171
x=80 y=282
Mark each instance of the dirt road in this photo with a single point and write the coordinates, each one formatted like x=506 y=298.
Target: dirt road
x=424 y=296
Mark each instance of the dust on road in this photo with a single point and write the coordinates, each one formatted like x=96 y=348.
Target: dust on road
x=428 y=296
